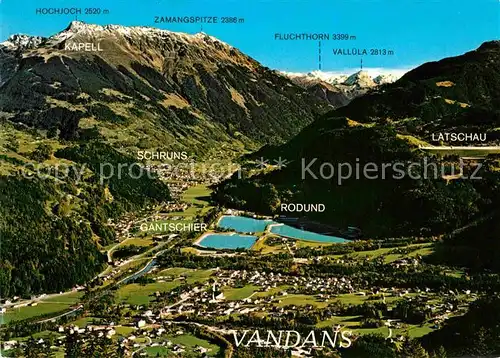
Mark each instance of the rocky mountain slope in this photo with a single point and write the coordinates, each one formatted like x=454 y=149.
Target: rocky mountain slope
x=339 y=89
x=387 y=126
x=154 y=87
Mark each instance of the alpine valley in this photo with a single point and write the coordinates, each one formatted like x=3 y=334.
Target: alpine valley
x=141 y=89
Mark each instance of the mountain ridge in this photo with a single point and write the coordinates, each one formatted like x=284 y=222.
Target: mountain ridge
x=339 y=89
x=173 y=80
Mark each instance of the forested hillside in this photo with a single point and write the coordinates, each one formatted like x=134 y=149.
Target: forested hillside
x=387 y=127
x=53 y=223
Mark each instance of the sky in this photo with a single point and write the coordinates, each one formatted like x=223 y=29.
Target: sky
x=416 y=31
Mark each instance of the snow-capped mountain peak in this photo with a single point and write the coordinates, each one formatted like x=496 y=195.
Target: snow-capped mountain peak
x=338 y=88
x=364 y=78
x=360 y=79
x=23 y=41
x=385 y=78
x=83 y=29
x=328 y=77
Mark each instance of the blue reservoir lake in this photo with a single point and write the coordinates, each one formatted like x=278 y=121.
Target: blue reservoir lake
x=227 y=241
x=294 y=233
x=243 y=224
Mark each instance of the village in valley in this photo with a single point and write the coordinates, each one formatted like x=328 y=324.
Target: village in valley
x=165 y=294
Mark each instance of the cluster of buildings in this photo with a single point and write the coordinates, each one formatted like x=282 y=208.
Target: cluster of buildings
x=153 y=214
x=150 y=326
x=122 y=226
x=143 y=332
x=208 y=300
x=184 y=174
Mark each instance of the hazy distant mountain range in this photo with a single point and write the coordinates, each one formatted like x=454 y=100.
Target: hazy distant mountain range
x=372 y=77
x=339 y=88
